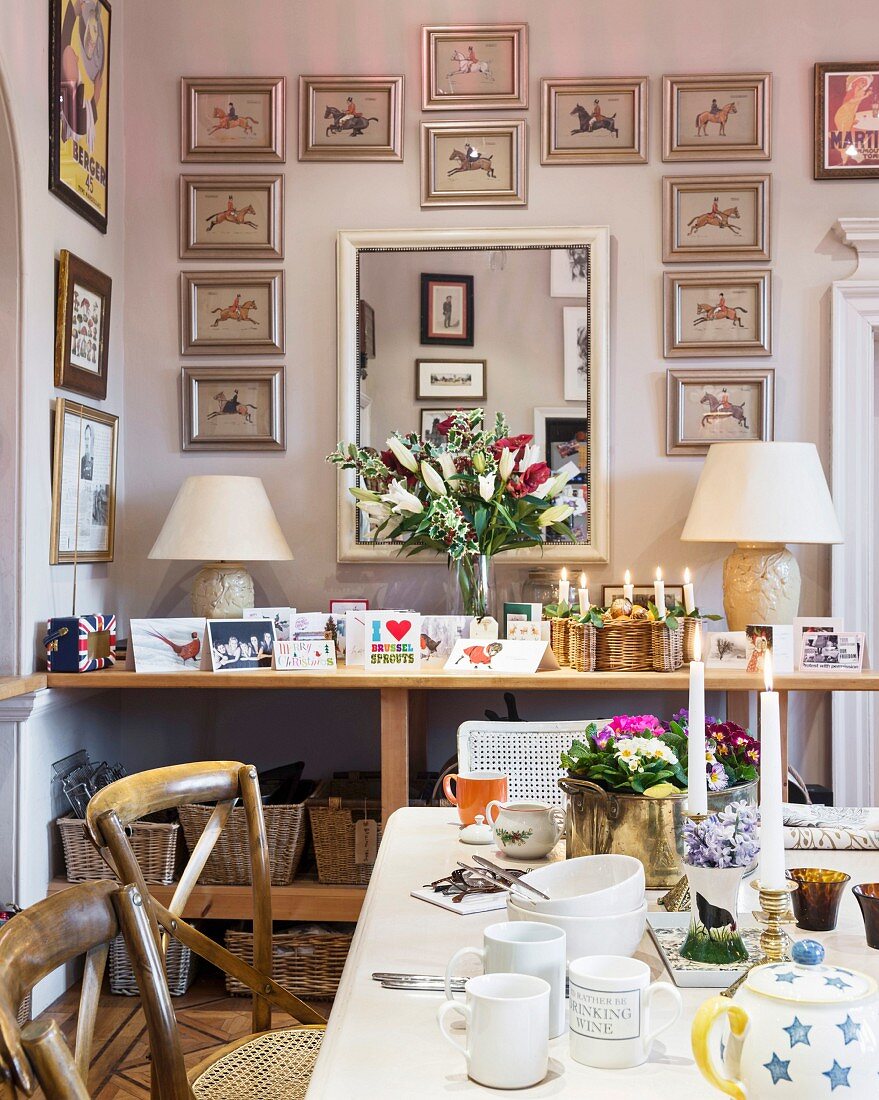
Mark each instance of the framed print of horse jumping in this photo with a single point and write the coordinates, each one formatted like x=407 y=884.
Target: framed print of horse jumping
x=474 y=67
x=232 y=217
x=232 y=312
x=594 y=121
x=722 y=117
x=233 y=118
x=718 y=406
x=79 y=106
x=233 y=408
x=717 y=313
x=488 y=164
x=847 y=121
x=715 y=219
x=351 y=118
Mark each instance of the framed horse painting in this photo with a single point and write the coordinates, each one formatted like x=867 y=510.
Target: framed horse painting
x=232 y=217
x=232 y=312
x=479 y=165
x=474 y=67
x=718 y=406
x=594 y=121
x=351 y=118
x=723 y=117
x=233 y=408
x=715 y=219
x=717 y=313
x=233 y=118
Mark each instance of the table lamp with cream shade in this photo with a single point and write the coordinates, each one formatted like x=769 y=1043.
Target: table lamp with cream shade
x=761 y=496
x=223 y=522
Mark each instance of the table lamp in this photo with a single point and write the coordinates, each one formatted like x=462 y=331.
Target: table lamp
x=222 y=521
x=761 y=496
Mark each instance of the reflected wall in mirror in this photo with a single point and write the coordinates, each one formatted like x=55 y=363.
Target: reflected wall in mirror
x=517 y=359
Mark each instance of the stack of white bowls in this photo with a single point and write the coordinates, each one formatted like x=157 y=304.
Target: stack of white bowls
x=598 y=901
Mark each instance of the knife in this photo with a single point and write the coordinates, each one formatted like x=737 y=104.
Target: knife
x=382 y=976
x=510 y=880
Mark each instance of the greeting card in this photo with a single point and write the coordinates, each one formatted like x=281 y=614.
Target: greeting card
x=501 y=656
x=392 y=640
x=312 y=655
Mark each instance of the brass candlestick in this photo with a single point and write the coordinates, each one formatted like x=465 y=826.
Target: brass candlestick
x=677 y=900
x=773 y=914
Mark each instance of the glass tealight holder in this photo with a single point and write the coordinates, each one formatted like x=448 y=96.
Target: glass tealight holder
x=816 y=902
x=867 y=894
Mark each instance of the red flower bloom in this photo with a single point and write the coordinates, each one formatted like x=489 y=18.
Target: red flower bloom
x=397 y=468
x=514 y=443
x=536 y=474
x=444 y=425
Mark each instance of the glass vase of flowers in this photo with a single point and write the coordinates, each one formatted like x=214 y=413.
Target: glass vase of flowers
x=481 y=493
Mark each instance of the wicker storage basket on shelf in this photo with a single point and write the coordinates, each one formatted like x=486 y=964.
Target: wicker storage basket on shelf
x=581 y=647
x=560 y=640
x=335 y=810
x=154 y=845
x=668 y=648
x=180 y=966
x=307 y=961
x=689 y=639
x=229 y=862
x=641 y=646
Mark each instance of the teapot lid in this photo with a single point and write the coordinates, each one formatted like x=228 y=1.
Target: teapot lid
x=807 y=980
x=478 y=833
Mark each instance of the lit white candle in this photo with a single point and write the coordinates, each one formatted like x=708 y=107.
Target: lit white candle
x=697 y=793
x=771 y=872
x=583 y=594
x=628 y=587
x=564 y=588
x=659 y=593
x=689 y=596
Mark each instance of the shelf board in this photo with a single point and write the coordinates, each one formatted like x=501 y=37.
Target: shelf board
x=305 y=899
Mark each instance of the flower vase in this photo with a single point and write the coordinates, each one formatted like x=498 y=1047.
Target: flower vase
x=474 y=575
x=713 y=936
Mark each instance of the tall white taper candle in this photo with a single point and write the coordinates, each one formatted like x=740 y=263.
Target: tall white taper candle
x=697 y=794
x=771 y=872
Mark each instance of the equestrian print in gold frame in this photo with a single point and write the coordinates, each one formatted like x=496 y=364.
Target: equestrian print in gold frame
x=489 y=163
x=717 y=117
x=474 y=67
x=715 y=219
x=238 y=408
x=232 y=312
x=717 y=314
x=727 y=405
x=351 y=118
x=232 y=217
x=594 y=120
x=233 y=118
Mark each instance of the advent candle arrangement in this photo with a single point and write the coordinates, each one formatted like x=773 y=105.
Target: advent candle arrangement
x=659 y=594
x=583 y=594
x=689 y=595
x=628 y=587
x=564 y=588
x=771 y=872
x=697 y=776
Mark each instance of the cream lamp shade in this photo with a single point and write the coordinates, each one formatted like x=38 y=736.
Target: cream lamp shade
x=761 y=496
x=222 y=521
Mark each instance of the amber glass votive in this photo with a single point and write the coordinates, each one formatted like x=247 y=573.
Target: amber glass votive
x=867 y=894
x=816 y=902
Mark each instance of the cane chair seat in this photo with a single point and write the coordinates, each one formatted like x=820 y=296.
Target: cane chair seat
x=275 y=1065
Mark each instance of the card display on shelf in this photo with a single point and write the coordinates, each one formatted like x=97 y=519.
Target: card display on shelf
x=763 y=638
x=726 y=649
x=239 y=645
x=167 y=645
x=392 y=640
x=824 y=651
x=521 y=613
x=317 y=655
x=355 y=634
x=520 y=658
x=812 y=625
x=339 y=608
x=282 y=617
x=439 y=634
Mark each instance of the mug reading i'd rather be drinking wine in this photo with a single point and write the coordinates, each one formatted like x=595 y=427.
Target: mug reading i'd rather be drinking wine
x=473 y=792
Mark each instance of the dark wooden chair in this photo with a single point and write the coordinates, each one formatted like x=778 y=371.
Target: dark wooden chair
x=81 y=921
x=269 y=1062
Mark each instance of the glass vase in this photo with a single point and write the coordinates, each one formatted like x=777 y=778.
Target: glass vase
x=475 y=587
x=713 y=936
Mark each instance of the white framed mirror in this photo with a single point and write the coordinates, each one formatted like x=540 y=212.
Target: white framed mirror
x=509 y=320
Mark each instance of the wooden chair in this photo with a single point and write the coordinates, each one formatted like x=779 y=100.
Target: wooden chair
x=81 y=921
x=267 y=1063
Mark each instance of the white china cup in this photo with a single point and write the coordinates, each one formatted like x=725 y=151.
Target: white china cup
x=615 y=934
x=587 y=886
x=611 y=1006
x=525 y=830
x=523 y=947
x=507 y=1029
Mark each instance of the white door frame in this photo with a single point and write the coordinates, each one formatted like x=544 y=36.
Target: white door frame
x=855 y=329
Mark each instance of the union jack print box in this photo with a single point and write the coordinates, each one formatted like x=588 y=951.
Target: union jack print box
x=83 y=644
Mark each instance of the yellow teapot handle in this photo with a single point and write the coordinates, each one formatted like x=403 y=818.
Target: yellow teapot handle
x=704 y=1020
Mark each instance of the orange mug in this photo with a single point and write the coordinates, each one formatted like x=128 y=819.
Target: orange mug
x=474 y=791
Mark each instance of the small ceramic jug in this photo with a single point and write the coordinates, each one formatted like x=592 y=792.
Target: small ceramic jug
x=525 y=830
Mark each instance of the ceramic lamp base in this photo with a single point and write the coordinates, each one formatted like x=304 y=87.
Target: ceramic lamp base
x=761 y=584
x=222 y=590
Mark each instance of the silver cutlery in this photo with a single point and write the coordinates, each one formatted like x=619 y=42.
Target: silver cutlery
x=423 y=987
x=509 y=879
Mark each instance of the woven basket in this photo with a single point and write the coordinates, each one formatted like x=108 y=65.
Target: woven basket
x=154 y=845
x=560 y=640
x=229 y=862
x=624 y=646
x=307 y=963
x=582 y=647
x=689 y=639
x=334 y=809
x=668 y=648
x=180 y=965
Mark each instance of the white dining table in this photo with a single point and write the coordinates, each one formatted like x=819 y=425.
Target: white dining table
x=384 y=1042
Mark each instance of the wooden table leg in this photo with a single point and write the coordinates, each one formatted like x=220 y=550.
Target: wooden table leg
x=395 y=749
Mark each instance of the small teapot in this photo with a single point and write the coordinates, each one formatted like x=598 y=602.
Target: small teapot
x=525 y=830
x=814 y=1026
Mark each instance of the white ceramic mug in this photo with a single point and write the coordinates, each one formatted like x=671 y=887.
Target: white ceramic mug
x=507 y=1029
x=523 y=947
x=611 y=1001
x=525 y=830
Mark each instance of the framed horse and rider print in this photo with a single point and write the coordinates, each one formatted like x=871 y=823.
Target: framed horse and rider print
x=718 y=406
x=483 y=164
x=233 y=118
x=474 y=67
x=232 y=217
x=351 y=118
x=233 y=408
x=717 y=117
x=717 y=313
x=715 y=219
x=594 y=121
x=232 y=312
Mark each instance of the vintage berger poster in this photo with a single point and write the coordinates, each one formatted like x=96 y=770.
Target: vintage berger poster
x=847 y=122
x=79 y=106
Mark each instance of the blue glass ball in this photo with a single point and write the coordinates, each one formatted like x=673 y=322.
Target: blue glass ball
x=807 y=952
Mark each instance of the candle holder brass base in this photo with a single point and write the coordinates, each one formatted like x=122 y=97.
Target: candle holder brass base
x=677 y=900
x=773 y=914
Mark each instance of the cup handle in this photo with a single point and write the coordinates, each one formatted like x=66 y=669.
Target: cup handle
x=494 y=802
x=479 y=952
x=557 y=817
x=442 y=1013
x=704 y=1020
x=447 y=788
x=669 y=990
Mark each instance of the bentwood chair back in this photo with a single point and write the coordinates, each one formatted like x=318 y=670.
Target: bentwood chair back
x=81 y=920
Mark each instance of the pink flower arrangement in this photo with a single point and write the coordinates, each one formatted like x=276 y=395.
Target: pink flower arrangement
x=629 y=725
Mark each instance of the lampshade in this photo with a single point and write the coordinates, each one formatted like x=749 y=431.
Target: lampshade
x=762 y=493
x=217 y=518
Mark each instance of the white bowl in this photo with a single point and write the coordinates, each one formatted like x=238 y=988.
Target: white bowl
x=617 y=934
x=588 y=886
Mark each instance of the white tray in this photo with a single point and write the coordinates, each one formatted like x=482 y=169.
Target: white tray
x=669 y=930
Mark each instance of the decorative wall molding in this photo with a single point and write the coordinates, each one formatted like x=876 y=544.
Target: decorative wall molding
x=862 y=234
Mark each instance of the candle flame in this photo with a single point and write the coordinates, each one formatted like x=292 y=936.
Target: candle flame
x=687 y=575
x=564 y=574
x=658 y=573
x=697 y=643
x=584 y=583
x=628 y=578
x=767 y=670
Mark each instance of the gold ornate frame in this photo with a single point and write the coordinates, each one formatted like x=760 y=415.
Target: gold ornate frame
x=758 y=83
x=550 y=154
x=433 y=100
x=674 y=344
x=674 y=251
x=516 y=195
x=391 y=85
